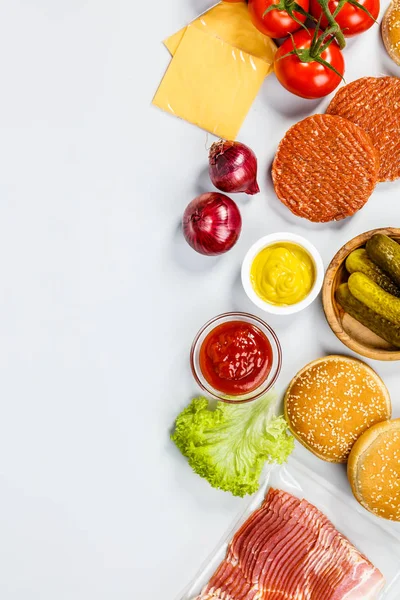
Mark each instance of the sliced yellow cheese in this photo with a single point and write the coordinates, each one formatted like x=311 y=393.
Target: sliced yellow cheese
x=211 y=83
x=232 y=23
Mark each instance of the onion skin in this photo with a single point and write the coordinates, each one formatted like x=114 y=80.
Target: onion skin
x=211 y=224
x=233 y=167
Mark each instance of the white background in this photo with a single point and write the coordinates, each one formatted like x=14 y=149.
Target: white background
x=100 y=297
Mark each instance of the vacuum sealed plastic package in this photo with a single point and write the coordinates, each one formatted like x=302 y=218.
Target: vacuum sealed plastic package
x=231 y=23
x=372 y=549
x=219 y=63
x=211 y=83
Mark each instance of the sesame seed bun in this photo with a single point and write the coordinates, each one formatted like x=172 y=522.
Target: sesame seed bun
x=373 y=469
x=331 y=402
x=391 y=31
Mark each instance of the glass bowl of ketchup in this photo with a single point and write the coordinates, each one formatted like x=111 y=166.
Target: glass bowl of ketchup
x=236 y=357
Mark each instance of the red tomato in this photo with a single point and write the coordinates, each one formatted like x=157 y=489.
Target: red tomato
x=351 y=19
x=308 y=79
x=276 y=23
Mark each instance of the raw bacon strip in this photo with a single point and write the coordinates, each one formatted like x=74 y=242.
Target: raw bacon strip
x=246 y=538
x=318 y=561
x=253 y=527
x=363 y=582
x=315 y=576
x=295 y=543
x=289 y=550
x=274 y=521
x=284 y=575
x=276 y=512
x=229 y=578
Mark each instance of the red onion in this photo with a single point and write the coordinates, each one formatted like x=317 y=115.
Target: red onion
x=212 y=223
x=233 y=167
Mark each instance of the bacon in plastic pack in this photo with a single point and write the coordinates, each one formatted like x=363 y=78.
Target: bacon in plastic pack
x=300 y=539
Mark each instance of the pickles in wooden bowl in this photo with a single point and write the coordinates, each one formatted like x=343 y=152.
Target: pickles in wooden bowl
x=352 y=316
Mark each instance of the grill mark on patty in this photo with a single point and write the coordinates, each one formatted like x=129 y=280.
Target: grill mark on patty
x=373 y=103
x=325 y=168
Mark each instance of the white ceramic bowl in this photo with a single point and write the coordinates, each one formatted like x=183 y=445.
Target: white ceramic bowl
x=273 y=238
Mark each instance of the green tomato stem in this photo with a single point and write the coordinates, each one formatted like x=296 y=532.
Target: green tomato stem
x=337 y=32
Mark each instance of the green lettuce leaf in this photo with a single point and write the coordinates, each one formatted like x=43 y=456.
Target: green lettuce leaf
x=228 y=446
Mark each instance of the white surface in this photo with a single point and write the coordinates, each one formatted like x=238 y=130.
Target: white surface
x=100 y=298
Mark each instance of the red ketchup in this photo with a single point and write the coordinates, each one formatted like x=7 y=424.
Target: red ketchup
x=235 y=358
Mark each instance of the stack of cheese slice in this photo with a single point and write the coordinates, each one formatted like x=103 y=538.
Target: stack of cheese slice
x=219 y=63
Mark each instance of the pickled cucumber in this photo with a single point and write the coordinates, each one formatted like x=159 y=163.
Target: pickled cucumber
x=359 y=261
x=385 y=252
x=379 y=325
x=369 y=293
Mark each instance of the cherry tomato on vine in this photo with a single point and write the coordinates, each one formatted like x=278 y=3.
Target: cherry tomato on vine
x=279 y=22
x=309 y=78
x=351 y=19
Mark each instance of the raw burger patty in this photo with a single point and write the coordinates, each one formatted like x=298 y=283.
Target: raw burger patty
x=373 y=103
x=325 y=168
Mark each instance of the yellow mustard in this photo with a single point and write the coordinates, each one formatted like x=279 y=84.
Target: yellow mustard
x=282 y=274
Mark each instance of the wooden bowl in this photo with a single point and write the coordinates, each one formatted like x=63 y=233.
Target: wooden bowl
x=353 y=334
